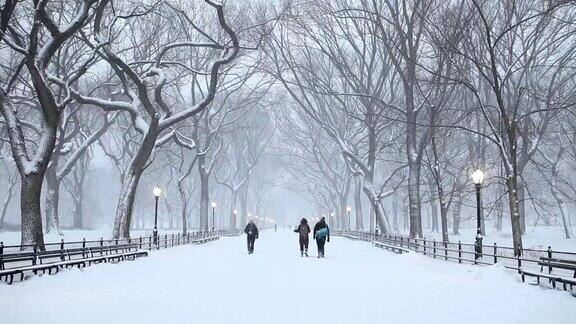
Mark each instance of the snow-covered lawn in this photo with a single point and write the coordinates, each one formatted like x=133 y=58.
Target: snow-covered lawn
x=220 y=283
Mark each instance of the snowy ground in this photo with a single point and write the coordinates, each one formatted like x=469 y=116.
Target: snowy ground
x=220 y=283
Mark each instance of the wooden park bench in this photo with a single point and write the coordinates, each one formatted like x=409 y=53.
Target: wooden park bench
x=205 y=239
x=352 y=237
x=43 y=261
x=393 y=248
x=554 y=278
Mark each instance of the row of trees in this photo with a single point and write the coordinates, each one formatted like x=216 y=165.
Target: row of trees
x=387 y=105
x=157 y=84
x=404 y=99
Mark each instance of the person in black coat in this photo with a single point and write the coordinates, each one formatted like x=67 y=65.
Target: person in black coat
x=303 y=230
x=251 y=231
x=321 y=239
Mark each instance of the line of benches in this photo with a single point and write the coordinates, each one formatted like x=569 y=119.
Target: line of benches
x=382 y=245
x=544 y=263
x=205 y=239
x=389 y=247
x=52 y=261
x=554 y=278
x=80 y=257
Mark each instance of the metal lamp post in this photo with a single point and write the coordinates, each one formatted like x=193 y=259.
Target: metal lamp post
x=478 y=178
x=349 y=209
x=157 y=192
x=234 y=215
x=377 y=201
x=213 y=213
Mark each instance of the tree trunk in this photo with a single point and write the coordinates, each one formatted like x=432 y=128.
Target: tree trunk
x=444 y=221
x=406 y=213
x=6 y=203
x=243 y=206
x=234 y=194
x=372 y=217
x=132 y=177
x=31 y=222
x=78 y=218
x=443 y=213
x=568 y=232
x=204 y=193
x=433 y=206
x=395 y=214
x=379 y=216
x=79 y=179
x=456 y=216
x=414 y=199
x=126 y=203
x=169 y=213
x=521 y=194
x=499 y=210
x=343 y=212
x=358 y=203
x=184 y=214
x=52 y=201
x=514 y=215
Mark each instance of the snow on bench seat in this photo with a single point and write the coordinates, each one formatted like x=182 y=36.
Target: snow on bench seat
x=395 y=249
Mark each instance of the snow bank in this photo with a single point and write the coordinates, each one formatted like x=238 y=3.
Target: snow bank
x=220 y=283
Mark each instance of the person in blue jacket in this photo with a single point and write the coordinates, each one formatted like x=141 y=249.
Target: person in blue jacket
x=321 y=235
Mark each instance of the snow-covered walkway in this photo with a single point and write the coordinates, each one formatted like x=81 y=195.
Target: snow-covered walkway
x=220 y=283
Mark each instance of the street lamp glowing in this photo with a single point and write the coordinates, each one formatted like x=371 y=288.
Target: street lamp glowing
x=235 y=212
x=213 y=204
x=348 y=209
x=478 y=177
x=332 y=214
x=156 y=191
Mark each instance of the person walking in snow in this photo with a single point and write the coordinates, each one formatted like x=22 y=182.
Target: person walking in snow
x=303 y=230
x=251 y=231
x=321 y=234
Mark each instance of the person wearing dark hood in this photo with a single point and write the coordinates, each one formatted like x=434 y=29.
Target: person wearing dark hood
x=303 y=230
x=321 y=234
x=251 y=231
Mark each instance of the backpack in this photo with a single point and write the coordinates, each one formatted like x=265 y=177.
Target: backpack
x=322 y=232
x=303 y=229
